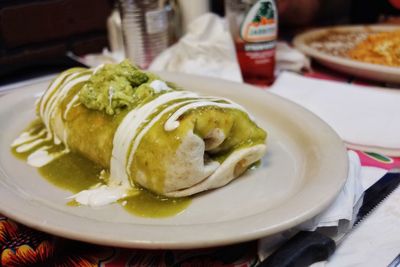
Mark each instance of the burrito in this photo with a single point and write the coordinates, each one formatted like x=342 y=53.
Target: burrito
x=147 y=132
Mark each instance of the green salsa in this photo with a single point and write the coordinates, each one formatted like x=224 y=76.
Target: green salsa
x=147 y=204
x=74 y=172
x=241 y=133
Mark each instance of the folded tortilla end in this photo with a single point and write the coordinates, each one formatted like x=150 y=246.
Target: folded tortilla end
x=232 y=167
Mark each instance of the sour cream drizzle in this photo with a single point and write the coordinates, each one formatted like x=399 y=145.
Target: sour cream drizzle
x=48 y=105
x=53 y=86
x=172 y=122
x=26 y=137
x=42 y=156
x=54 y=101
x=30 y=145
x=139 y=137
x=127 y=130
x=49 y=102
x=100 y=195
x=72 y=103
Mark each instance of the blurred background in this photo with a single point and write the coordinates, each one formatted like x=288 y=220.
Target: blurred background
x=39 y=36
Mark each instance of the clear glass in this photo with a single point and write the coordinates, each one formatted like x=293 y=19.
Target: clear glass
x=145 y=29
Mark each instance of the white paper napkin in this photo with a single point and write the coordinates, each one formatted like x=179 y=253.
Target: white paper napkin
x=365 y=117
x=341 y=211
x=376 y=242
x=338 y=218
x=289 y=58
x=206 y=49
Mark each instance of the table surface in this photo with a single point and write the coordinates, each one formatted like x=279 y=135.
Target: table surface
x=23 y=246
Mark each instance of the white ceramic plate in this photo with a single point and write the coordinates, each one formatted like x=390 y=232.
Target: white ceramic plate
x=304 y=169
x=349 y=66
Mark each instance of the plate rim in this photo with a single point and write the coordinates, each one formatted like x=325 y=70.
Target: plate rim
x=50 y=227
x=299 y=42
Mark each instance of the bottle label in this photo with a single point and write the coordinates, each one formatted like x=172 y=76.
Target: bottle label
x=260 y=23
x=156 y=21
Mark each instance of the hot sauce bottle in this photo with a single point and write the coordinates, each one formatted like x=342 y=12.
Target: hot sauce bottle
x=254 y=27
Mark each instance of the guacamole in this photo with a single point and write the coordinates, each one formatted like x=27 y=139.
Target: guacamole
x=113 y=87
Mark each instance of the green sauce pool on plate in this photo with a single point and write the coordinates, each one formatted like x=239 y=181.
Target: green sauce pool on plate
x=75 y=173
